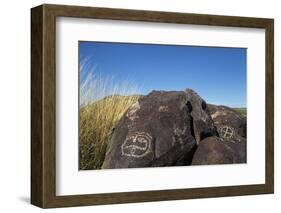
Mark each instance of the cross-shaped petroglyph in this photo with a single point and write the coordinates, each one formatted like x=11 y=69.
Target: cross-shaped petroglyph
x=226 y=132
x=137 y=145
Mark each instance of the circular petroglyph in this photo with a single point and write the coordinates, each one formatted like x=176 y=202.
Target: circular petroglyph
x=136 y=145
x=226 y=132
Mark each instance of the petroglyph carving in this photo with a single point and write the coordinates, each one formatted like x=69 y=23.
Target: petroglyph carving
x=178 y=136
x=137 y=145
x=132 y=112
x=226 y=132
x=163 y=109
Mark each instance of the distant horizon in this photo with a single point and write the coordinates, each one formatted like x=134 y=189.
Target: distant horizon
x=217 y=74
x=217 y=104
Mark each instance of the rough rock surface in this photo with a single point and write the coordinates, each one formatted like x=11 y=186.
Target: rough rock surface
x=203 y=124
x=161 y=129
x=230 y=124
x=215 y=150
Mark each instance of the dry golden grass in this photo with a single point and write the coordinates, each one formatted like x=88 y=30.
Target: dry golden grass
x=102 y=106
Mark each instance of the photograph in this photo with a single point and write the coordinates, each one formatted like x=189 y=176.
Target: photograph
x=157 y=105
x=170 y=105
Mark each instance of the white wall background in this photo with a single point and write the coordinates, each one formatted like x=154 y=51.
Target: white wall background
x=15 y=105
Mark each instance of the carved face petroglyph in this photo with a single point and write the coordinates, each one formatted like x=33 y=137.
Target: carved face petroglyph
x=137 y=145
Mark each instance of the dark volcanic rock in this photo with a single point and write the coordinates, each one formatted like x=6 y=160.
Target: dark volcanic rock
x=230 y=124
x=203 y=125
x=214 y=150
x=159 y=130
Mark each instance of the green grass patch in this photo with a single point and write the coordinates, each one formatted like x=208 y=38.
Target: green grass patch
x=242 y=111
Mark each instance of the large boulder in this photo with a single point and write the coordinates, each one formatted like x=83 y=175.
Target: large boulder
x=215 y=150
x=230 y=124
x=203 y=125
x=161 y=129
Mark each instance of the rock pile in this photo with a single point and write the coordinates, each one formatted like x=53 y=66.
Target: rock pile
x=176 y=128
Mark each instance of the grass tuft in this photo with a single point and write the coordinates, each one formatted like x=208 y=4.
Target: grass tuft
x=103 y=101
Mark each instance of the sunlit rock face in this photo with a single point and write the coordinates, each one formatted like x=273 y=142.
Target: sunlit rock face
x=161 y=129
x=231 y=125
x=203 y=125
x=230 y=145
x=215 y=150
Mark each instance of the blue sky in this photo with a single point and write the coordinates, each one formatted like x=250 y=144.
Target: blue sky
x=217 y=74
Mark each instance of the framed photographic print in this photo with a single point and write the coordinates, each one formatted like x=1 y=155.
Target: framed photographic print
x=136 y=106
